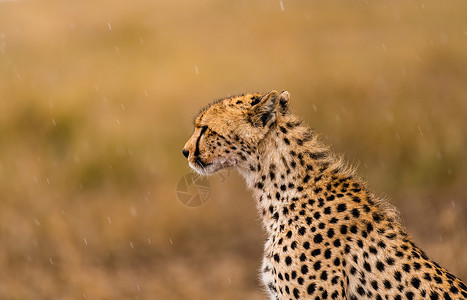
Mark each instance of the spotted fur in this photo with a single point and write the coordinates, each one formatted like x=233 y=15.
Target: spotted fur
x=329 y=236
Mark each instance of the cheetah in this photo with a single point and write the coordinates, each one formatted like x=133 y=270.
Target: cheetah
x=328 y=235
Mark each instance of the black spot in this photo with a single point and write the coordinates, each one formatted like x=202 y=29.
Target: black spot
x=316 y=252
x=301 y=230
x=434 y=295
x=343 y=229
x=360 y=243
x=306 y=178
x=336 y=243
x=379 y=266
x=367 y=266
x=286 y=140
x=415 y=282
x=272 y=175
x=398 y=276
x=306 y=245
x=438 y=279
x=360 y=291
x=288 y=260
x=276 y=257
x=302 y=257
x=324 y=275
x=304 y=269
x=293 y=245
x=387 y=284
x=317 y=155
x=353 y=229
x=330 y=233
x=255 y=100
x=318 y=238
x=327 y=254
x=341 y=207
x=317 y=265
x=376 y=217
x=355 y=213
x=406 y=268
x=311 y=289
x=296 y=293
x=293 y=274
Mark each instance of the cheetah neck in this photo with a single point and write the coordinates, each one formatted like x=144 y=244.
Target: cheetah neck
x=290 y=164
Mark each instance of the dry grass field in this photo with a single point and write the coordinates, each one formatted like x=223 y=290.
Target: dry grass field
x=97 y=100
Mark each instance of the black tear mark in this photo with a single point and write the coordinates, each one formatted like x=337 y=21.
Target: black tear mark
x=203 y=130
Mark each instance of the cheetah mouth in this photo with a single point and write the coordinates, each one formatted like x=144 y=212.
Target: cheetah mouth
x=206 y=168
x=200 y=163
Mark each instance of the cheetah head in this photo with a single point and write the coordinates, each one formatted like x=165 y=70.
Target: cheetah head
x=227 y=132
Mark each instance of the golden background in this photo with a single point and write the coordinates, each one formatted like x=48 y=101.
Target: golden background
x=97 y=100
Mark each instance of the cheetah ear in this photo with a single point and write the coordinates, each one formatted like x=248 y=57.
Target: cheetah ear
x=265 y=112
x=284 y=101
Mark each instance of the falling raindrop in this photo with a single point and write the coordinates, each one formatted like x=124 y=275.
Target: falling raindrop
x=108 y=24
x=53 y=122
x=131 y=245
x=196 y=70
x=149 y=241
x=281 y=5
x=109 y=220
x=85 y=241
x=171 y=243
x=133 y=211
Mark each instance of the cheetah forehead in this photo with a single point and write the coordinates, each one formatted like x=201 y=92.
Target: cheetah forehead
x=226 y=106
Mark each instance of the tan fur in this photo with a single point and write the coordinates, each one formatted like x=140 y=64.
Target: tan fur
x=329 y=236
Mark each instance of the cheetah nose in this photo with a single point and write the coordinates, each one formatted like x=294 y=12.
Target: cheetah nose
x=185 y=153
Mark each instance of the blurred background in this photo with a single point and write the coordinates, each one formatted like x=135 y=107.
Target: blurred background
x=97 y=100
